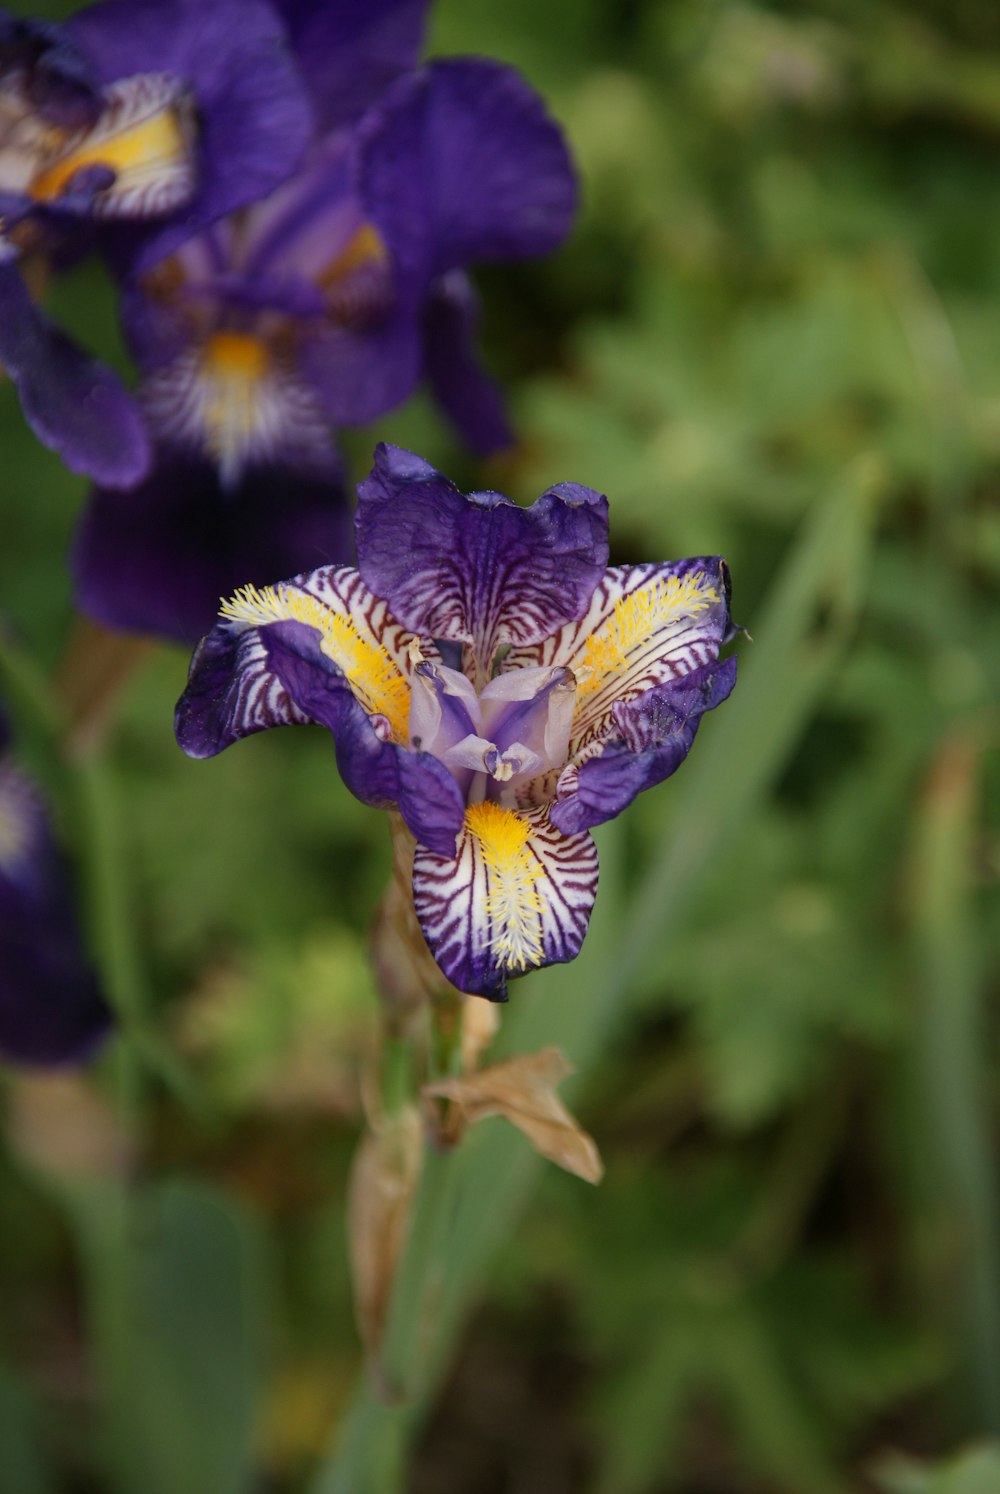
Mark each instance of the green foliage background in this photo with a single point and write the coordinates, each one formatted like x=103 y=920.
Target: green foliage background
x=773 y=334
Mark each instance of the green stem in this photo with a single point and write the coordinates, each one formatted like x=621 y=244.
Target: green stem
x=420 y=1280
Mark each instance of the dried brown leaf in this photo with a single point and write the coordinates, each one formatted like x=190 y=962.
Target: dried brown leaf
x=383 y=1182
x=523 y=1091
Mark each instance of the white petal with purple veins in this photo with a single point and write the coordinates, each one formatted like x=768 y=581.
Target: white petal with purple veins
x=517 y=895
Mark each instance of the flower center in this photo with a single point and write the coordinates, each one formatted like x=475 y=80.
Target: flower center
x=494 y=741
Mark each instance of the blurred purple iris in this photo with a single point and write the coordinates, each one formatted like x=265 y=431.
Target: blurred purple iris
x=320 y=305
x=486 y=673
x=51 y=1009
x=158 y=114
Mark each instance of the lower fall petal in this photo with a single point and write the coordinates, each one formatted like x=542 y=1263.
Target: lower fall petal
x=517 y=895
x=74 y=404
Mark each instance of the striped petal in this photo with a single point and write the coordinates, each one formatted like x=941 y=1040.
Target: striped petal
x=516 y=895
x=351 y=630
x=646 y=625
x=240 y=404
x=140 y=153
x=321 y=649
x=477 y=569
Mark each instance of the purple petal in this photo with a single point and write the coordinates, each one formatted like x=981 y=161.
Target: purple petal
x=477 y=568
x=255 y=119
x=461 y=162
x=38 y=61
x=359 y=373
x=157 y=559
x=51 y=1009
x=350 y=50
x=515 y=896
x=653 y=735
x=470 y=398
x=234 y=689
x=73 y=404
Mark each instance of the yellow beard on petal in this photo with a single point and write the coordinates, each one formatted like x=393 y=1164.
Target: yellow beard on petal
x=233 y=369
x=635 y=620
x=154 y=144
x=513 y=903
x=364 y=247
x=368 y=668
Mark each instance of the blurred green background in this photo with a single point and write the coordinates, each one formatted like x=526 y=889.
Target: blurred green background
x=774 y=334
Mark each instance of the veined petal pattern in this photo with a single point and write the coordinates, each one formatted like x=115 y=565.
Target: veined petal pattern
x=516 y=895
x=646 y=625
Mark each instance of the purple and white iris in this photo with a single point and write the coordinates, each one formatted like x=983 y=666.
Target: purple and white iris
x=51 y=1008
x=155 y=115
x=487 y=674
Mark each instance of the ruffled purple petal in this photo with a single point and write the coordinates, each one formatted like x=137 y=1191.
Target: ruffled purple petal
x=477 y=568
x=461 y=162
x=516 y=895
x=74 y=404
x=351 y=50
x=467 y=394
x=651 y=738
x=157 y=559
x=255 y=118
x=51 y=1008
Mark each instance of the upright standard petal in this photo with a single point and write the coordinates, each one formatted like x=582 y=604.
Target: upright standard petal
x=51 y=1008
x=253 y=113
x=477 y=569
x=515 y=896
x=158 y=558
x=74 y=404
x=350 y=50
x=460 y=162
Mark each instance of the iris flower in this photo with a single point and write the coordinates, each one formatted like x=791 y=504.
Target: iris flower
x=51 y=1008
x=485 y=673
x=318 y=306
x=158 y=114
x=327 y=302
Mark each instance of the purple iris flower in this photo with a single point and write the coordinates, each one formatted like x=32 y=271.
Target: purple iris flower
x=51 y=1008
x=158 y=114
x=487 y=674
x=320 y=305
x=326 y=302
